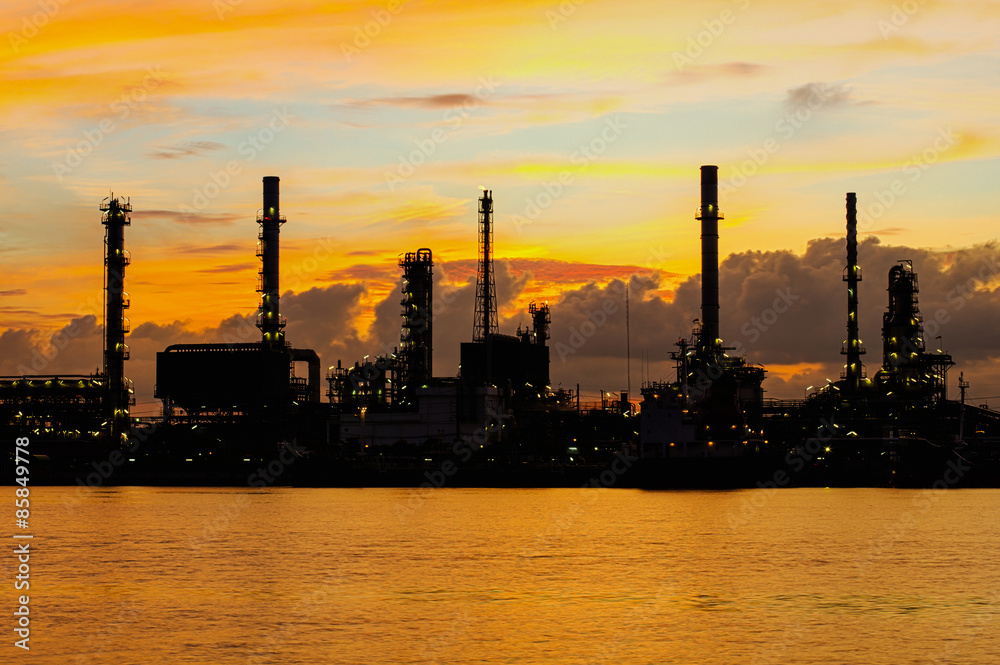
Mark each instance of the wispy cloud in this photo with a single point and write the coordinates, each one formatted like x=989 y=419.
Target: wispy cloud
x=828 y=95
x=189 y=149
x=188 y=218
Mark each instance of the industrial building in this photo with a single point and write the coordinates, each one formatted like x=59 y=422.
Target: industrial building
x=388 y=418
x=83 y=407
x=394 y=399
x=251 y=385
x=713 y=408
x=517 y=364
x=897 y=427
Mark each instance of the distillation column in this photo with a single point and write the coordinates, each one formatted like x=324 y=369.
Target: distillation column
x=269 y=315
x=417 y=335
x=541 y=318
x=116 y=301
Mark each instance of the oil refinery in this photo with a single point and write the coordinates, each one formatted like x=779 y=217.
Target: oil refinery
x=388 y=420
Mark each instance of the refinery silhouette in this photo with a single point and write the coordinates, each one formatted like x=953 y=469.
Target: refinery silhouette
x=388 y=420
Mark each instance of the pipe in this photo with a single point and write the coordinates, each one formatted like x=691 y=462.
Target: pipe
x=709 y=216
x=311 y=357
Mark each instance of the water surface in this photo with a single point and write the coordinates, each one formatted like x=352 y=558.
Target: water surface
x=182 y=575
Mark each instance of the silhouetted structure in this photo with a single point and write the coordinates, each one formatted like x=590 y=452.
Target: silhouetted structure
x=486 y=292
x=83 y=406
x=713 y=408
x=541 y=318
x=269 y=319
x=417 y=335
x=854 y=371
x=908 y=371
x=515 y=364
x=390 y=419
x=709 y=216
x=245 y=382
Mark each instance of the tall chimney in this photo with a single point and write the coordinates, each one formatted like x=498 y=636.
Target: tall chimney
x=852 y=275
x=709 y=215
x=269 y=315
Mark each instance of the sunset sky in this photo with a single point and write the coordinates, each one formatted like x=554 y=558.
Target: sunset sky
x=587 y=119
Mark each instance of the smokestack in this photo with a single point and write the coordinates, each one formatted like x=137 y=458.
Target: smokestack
x=269 y=315
x=852 y=275
x=709 y=215
x=271 y=195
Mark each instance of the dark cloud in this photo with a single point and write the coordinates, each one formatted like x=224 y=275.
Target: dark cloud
x=14 y=292
x=76 y=348
x=364 y=272
x=187 y=149
x=779 y=308
x=325 y=319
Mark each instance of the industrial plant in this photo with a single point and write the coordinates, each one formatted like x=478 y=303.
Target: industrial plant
x=388 y=420
x=93 y=407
